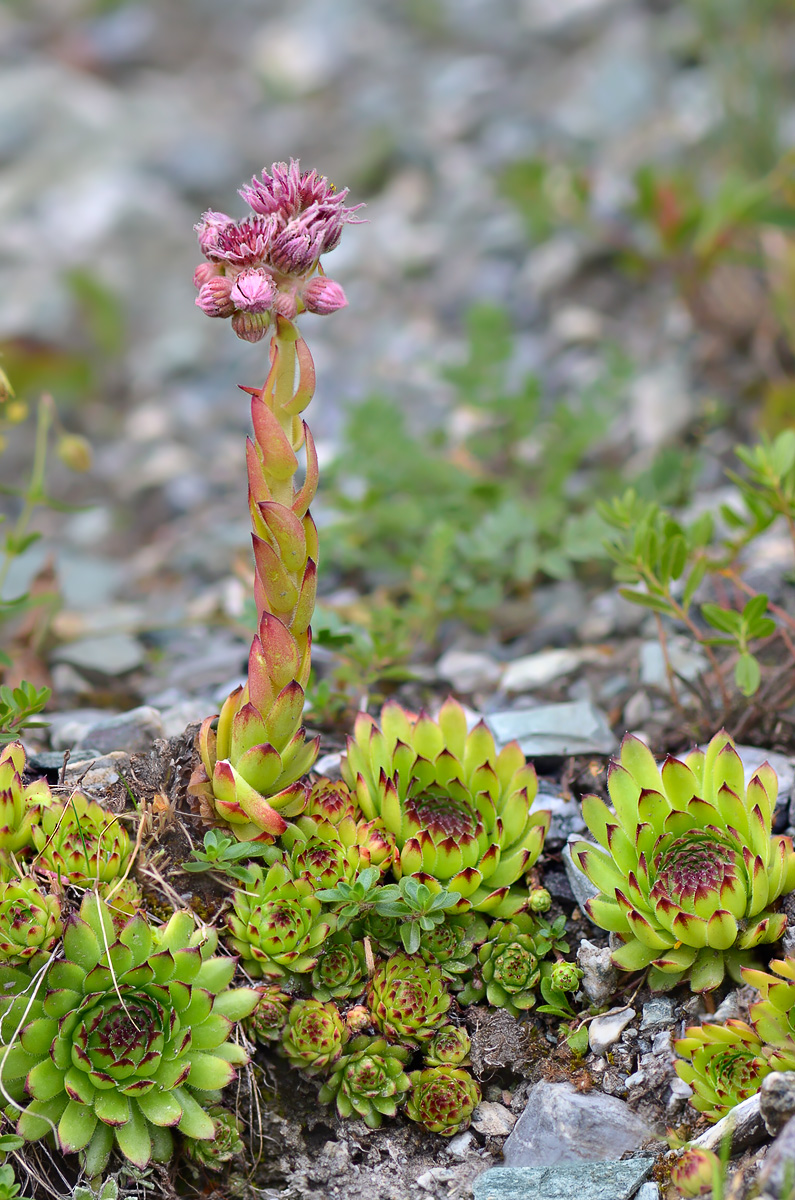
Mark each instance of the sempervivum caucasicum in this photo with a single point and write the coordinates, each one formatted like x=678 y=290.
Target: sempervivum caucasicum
x=122 y=1041
x=697 y=1173
x=460 y=811
x=723 y=1064
x=20 y=803
x=774 y=1014
x=449 y=1047
x=277 y=925
x=408 y=999
x=688 y=871
x=442 y=1099
x=314 y=1035
x=368 y=1081
x=81 y=842
x=30 y=921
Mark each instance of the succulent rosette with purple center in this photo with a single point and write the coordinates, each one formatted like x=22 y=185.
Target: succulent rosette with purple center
x=688 y=871
x=461 y=812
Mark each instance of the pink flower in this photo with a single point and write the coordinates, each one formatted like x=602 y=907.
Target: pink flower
x=323 y=296
x=253 y=290
x=214 y=297
x=208 y=230
x=244 y=243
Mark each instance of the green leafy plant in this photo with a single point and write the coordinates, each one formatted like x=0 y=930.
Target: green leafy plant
x=122 y=1040
x=442 y=1099
x=368 y=1080
x=408 y=999
x=723 y=1064
x=224 y=854
x=460 y=812
x=9 y=1188
x=665 y=562
x=688 y=872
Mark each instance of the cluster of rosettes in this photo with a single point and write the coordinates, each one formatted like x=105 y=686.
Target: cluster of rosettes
x=267 y=263
x=341 y=997
x=70 y=842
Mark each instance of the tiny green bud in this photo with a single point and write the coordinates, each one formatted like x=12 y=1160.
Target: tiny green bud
x=540 y=900
x=75 y=451
x=566 y=977
x=15 y=411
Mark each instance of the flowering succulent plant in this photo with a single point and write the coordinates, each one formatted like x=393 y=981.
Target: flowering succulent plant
x=262 y=272
x=314 y=1035
x=461 y=813
x=277 y=924
x=81 y=842
x=20 y=803
x=688 y=871
x=442 y=1099
x=368 y=1081
x=30 y=921
x=408 y=999
x=723 y=1064
x=122 y=1040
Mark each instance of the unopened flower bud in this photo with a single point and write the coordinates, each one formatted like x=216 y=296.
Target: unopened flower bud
x=285 y=304
x=75 y=451
x=358 y=1019
x=203 y=272
x=213 y=298
x=250 y=327
x=323 y=296
x=253 y=290
x=566 y=977
x=696 y=1173
x=540 y=900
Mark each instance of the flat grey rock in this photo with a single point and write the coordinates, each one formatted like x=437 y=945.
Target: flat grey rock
x=535 y=670
x=132 y=731
x=594 y=1181
x=657 y=1013
x=567 y=816
x=113 y=655
x=555 y=730
x=468 y=671
x=562 y=1125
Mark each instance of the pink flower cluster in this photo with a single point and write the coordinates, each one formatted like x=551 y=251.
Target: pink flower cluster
x=266 y=264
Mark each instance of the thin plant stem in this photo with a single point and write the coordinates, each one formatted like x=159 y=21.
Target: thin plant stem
x=669 y=671
x=35 y=490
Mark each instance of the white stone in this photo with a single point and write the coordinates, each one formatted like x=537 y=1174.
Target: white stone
x=575 y=325
x=493 y=1119
x=468 y=671
x=605 y=1030
x=534 y=670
